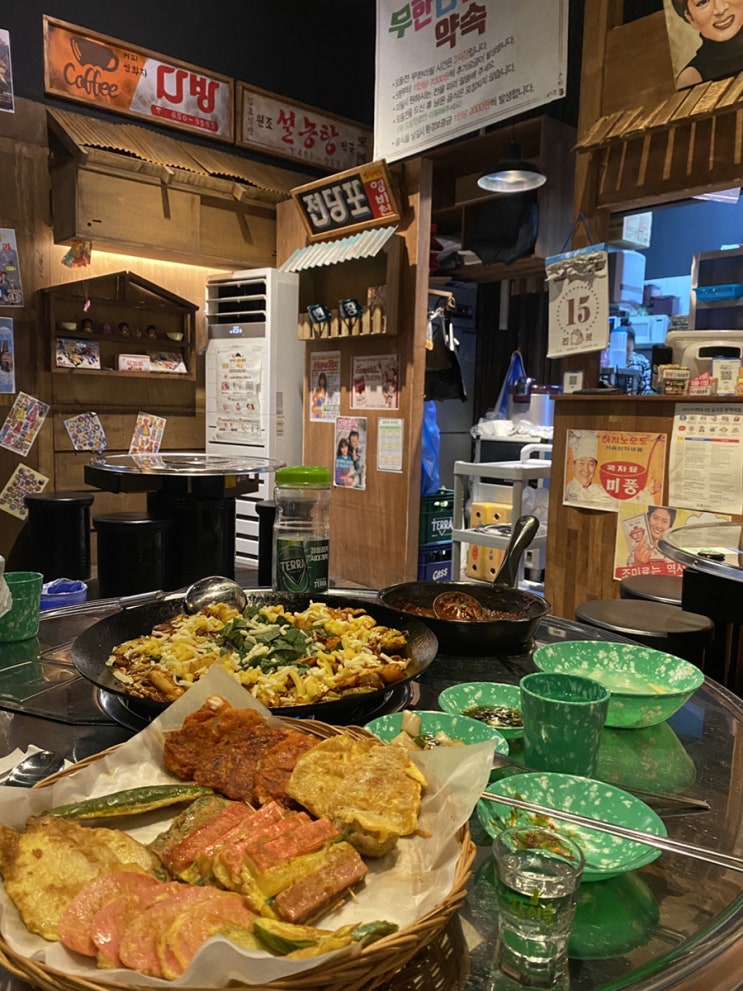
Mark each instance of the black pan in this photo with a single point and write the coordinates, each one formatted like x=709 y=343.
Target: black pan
x=93 y=647
x=481 y=637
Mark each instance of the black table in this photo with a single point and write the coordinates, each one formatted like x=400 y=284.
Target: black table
x=690 y=920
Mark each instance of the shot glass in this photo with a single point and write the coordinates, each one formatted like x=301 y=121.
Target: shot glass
x=537 y=875
x=564 y=715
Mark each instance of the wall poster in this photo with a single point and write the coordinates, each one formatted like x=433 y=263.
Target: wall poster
x=375 y=382
x=11 y=292
x=350 y=452
x=706 y=458
x=450 y=67
x=7 y=356
x=605 y=468
x=325 y=385
x=110 y=74
x=704 y=40
x=7 y=103
x=239 y=392
x=578 y=287
x=389 y=444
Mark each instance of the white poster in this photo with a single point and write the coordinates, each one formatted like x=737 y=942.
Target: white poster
x=578 y=284
x=706 y=458
x=389 y=444
x=325 y=385
x=239 y=383
x=449 y=67
x=374 y=382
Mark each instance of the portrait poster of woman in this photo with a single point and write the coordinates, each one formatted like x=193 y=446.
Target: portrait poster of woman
x=705 y=39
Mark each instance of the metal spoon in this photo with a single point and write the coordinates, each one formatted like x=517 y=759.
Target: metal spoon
x=34 y=768
x=208 y=591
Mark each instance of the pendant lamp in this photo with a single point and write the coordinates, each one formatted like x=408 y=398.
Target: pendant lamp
x=513 y=174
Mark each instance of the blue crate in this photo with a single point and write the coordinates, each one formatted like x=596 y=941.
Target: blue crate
x=434 y=563
x=706 y=294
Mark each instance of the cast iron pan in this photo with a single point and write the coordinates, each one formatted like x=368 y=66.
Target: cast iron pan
x=482 y=637
x=93 y=647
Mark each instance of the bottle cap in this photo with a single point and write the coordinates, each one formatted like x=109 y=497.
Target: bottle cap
x=312 y=476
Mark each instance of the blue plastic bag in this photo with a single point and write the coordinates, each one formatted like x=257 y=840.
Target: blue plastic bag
x=514 y=373
x=430 y=450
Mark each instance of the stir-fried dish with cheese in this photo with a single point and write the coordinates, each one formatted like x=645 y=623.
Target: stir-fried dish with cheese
x=283 y=658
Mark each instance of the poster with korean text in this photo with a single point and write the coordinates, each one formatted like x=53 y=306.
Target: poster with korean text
x=389 y=443
x=449 y=68
x=11 y=293
x=110 y=74
x=350 y=452
x=325 y=385
x=239 y=392
x=639 y=531
x=7 y=356
x=606 y=468
x=375 y=382
x=24 y=481
x=86 y=432
x=22 y=424
x=148 y=434
x=578 y=288
x=278 y=126
x=705 y=467
x=7 y=103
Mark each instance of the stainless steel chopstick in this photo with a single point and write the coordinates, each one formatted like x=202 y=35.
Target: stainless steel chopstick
x=659 y=842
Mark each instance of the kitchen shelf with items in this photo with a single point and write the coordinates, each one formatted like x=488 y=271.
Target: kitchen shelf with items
x=717 y=290
x=119 y=324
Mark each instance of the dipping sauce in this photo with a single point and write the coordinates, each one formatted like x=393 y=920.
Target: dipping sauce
x=495 y=715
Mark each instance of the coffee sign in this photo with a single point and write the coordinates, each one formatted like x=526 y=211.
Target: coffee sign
x=91 y=68
x=349 y=201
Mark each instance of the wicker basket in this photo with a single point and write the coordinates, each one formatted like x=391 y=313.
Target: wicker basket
x=358 y=970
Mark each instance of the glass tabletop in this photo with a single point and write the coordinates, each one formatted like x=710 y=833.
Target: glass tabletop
x=183 y=463
x=714 y=548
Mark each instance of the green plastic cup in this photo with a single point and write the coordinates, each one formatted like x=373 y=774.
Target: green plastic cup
x=22 y=621
x=564 y=716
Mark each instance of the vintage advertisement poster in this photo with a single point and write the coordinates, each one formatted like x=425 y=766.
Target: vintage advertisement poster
x=148 y=434
x=11 y=293
x=640 y=528
x=578 y=286
x=278 y=126
x=350 y=452
x=325 y=385
x=7 y=356
x=86 y=432
x=389 y=444
x=704 y=40
x=7 y=103
x=606 y=468
x=77 y=353
x=24 y=481
x=22 y=424
x=449 y=68
x=110 y=74
x=375 y=382
x=705 y=466
x=239 y=389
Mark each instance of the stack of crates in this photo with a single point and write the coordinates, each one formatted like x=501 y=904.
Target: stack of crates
x=483 y=562
x=434 y=537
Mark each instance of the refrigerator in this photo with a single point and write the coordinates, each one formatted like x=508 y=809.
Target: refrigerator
x=254 y=382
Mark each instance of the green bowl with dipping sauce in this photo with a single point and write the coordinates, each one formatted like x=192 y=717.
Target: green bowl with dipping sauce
x=492 y=703
x=458 y=728
x=647 y=686
x=606 y=855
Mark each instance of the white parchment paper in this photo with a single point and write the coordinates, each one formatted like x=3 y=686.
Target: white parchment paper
x=401 y=887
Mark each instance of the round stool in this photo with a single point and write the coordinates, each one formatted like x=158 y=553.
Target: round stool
x=654 y=624
x=58 y=534
x=658 y=588
x=132 y=553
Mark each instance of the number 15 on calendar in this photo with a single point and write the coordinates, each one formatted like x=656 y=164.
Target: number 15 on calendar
x=578 y=302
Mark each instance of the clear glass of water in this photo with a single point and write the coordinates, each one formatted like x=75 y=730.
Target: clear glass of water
x=537 y=874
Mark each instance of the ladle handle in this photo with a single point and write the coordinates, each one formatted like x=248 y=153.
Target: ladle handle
x=523 y=531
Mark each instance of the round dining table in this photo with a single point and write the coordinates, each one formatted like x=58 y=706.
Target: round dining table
x=675 y=923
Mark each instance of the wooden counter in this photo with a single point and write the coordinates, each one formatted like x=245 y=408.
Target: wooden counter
x=580 y=542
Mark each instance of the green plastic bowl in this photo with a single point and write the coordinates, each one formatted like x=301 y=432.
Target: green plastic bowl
x=456 y=728
x=647 y=686
x=459 y=698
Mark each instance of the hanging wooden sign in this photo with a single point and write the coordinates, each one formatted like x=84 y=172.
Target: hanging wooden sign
x=109 y=74
x=578 y=285
x=349 y=201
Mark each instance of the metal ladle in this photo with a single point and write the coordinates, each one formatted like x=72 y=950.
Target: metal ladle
x=216 y=588
x=464 y=608
x=34 y=768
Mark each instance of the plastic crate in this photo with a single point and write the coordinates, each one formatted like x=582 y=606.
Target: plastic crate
x=436 y=517
x=434 y=564
x=709 y=293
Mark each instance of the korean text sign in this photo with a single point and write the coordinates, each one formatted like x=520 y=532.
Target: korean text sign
x=348 y=201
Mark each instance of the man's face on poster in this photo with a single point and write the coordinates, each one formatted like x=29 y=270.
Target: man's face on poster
x=585 y=469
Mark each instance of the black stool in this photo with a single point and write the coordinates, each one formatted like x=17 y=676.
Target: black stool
x=132 y=553
x=657 y=588
x=57 y=535
x=654 y=624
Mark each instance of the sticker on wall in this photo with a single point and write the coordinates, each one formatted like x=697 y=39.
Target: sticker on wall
x=24 y=481
x=7 y=356
x=148 y=433
x=375 y=382
x=7 y=103
x=22 y=424
x=78 y=254
x=325 y=385
x=605 y=468
x=11 y=293
x=350 y=452
x=86 y=432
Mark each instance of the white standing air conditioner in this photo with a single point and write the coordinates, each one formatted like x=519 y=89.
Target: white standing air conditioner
x=254 y=381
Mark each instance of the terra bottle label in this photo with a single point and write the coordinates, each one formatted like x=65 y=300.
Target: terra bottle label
x=302 y=565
